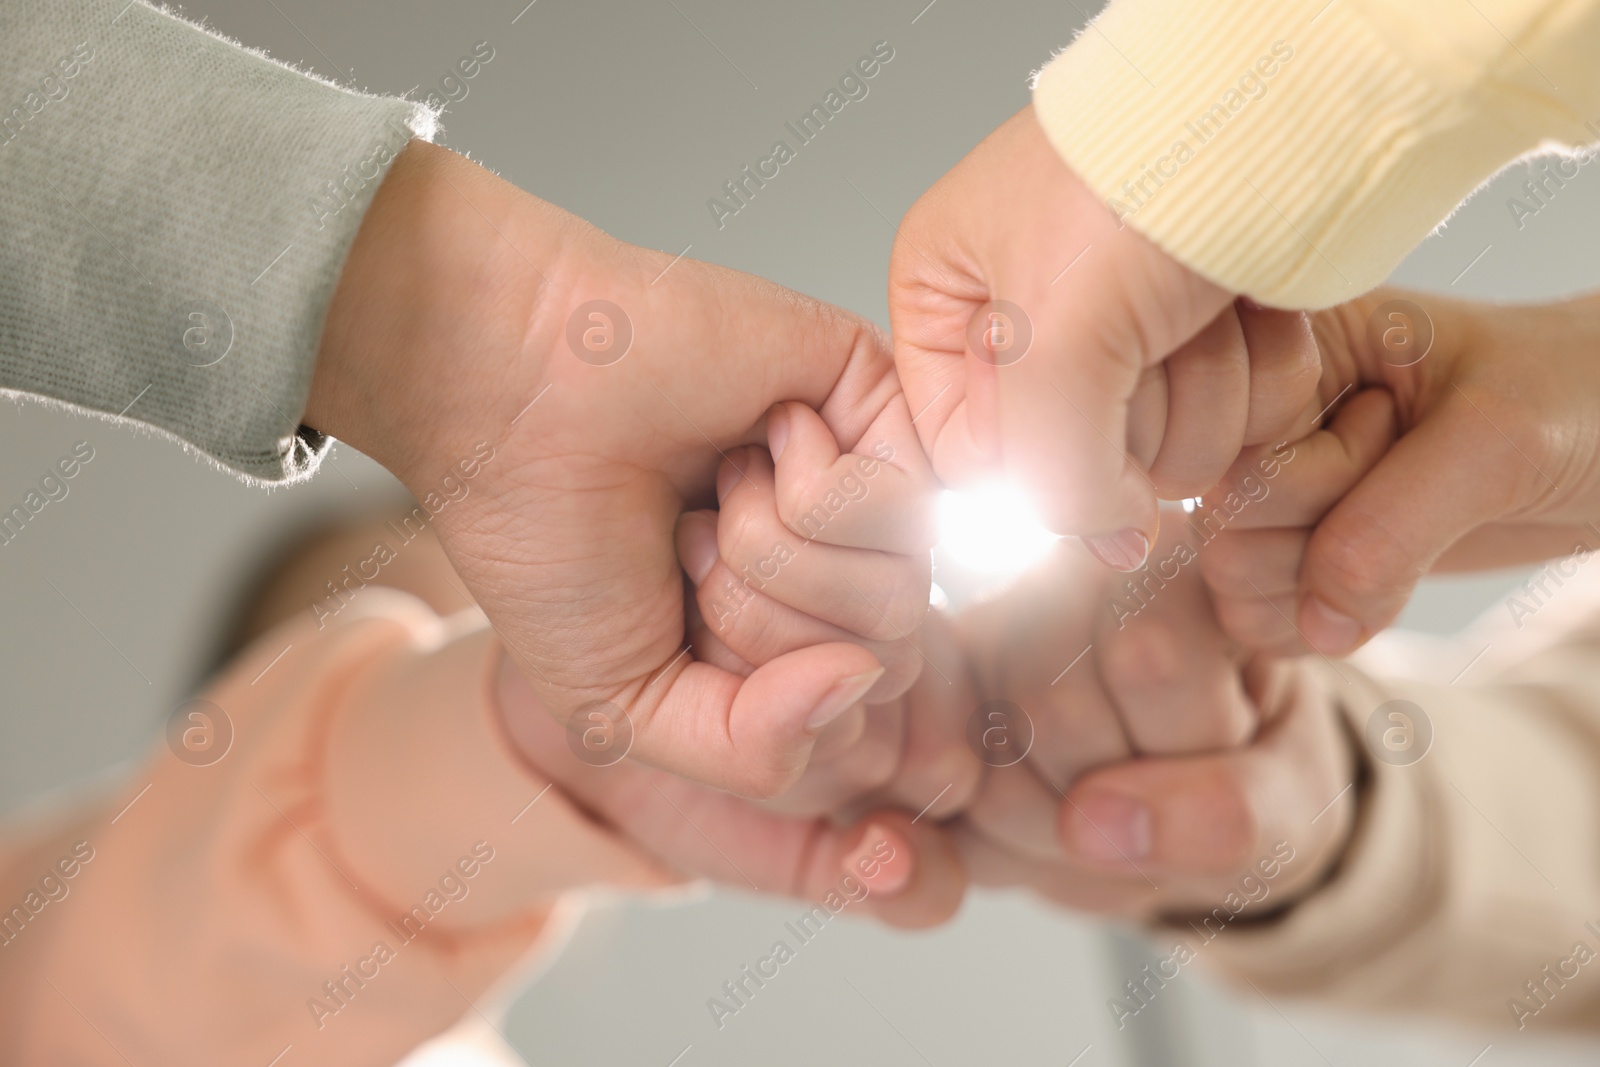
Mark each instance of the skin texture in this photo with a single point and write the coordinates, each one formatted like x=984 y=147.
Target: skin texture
x=902 y=746
x=1482 y=453
x=672 y=820
x=1165 y=763
x=450 y=329
x=449 y=335
x=1142 y=381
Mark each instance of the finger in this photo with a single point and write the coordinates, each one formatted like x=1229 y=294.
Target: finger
x=1173 y=675
x=1501 y=545
x=878 y=595
x=573 y=559
x=751 y=736
x=754 y=628
x=1212 y=816
x=915 y=874
x=1208 y=403
x=990 y=863
x=1048 y=361
x=1147 y=416
x=1254 y=578
x=1297 y=484
x=834 y=738
x=1285 y=367
x=834 y=779
x=1455 y=471
x=906 y=875
x=879 y=498
x=939 y=773
x=1017 y=809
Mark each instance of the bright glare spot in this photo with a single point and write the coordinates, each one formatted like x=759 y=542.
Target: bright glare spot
x=1189 y=503
x=993 y=530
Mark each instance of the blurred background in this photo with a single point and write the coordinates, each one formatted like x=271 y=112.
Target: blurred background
x=633 y=115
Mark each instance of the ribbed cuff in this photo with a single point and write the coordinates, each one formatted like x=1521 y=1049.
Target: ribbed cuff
x=176 y=214
x=1290 y=154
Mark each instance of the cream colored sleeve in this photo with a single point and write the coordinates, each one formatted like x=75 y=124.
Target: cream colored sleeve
x=1471 y=886
x=1296 y=150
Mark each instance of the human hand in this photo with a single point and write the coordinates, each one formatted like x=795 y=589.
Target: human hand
x=1466 y=439
x=1140 y=378
x=554 y=442
x=847 y=532
x=903 y=871
x=1164 y=765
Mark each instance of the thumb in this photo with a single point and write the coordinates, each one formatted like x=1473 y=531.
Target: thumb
x=753 y=736
x=1452 y=473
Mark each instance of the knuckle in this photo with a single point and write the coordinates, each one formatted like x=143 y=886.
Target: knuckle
x=1225 y=565
x=896 y=604
x=741 y=534
x=1140 y=657
x=802 y=507
x=1358 y=557
x=1250 y=622
x=902 y=667
x=874 y=764
x=769 y=780
x=1238 y=825
x=1230 y=718
x=1231 y=827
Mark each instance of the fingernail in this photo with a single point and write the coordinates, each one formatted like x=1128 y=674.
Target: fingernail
x=1111 y=829
x=1124 y=550
x=777 y=431
x=727 y=475
x=698 y=548
x=845 y=694
x=877 y=862
x=1330 y=632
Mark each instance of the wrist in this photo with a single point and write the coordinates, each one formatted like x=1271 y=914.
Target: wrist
x=426 y=345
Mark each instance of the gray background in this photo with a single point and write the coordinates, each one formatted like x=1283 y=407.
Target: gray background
x=632 y=114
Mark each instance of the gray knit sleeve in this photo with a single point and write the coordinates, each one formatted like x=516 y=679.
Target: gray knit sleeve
x=174 y=212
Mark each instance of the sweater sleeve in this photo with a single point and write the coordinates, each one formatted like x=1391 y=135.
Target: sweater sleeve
x=334 y=849
x=1470 y=888
x=1297 y=151
x=176 y=210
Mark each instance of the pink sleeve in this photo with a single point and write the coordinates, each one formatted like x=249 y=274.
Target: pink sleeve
x=347 y=853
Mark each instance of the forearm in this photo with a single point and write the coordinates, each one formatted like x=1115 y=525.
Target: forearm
x=1296 y=152
x=364 y=842
x=1473 y=868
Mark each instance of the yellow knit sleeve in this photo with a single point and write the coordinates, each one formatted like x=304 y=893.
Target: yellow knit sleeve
x=1296 y=150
